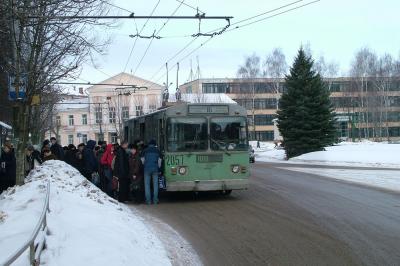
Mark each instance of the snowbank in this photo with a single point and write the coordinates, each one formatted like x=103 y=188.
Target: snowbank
x=86 y=227
x=386 y=179
x=366 y=153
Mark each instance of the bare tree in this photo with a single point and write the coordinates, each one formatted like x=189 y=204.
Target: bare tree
x=363 y=67
x=45 y=50
x=250 y=70
x=275 y=67
x=385 y=72
x=397 y=67
x=326 y=69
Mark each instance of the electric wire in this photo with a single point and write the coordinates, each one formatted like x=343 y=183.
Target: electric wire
x=274 y=15
x=190 y=6
x=134 y=43
x=118 y=7
x=151 y=41
x=241 y=26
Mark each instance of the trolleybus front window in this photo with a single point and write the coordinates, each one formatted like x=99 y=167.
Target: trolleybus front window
x=187 y=134
x=228 y=133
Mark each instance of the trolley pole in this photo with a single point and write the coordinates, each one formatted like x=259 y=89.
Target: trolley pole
x=177 y=73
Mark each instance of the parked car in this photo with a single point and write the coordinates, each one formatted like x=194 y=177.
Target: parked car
x=251 y=154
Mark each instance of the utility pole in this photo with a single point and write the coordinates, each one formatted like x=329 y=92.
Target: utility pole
x=165 y=94
x=191 y=71
x=177 y=73
x=166 y=66
x=178 y=91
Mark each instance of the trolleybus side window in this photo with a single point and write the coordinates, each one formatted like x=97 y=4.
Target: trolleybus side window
x=187 y=134
x=228 y=133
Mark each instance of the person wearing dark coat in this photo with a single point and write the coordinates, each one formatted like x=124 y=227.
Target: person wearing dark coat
x=121 y=171
x=136 y=174
x=79 y=158
x=90 y=165
x=56 y=149
x=47 y=155
x=32 y=158
x=45 y=145
x=8 y=167
x=70 y=155
x=102 y=149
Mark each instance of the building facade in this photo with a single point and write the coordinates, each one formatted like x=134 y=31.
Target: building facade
x=364 y=107
x=101 y=114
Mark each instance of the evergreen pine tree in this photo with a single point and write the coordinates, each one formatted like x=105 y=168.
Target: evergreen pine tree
x=305 y=118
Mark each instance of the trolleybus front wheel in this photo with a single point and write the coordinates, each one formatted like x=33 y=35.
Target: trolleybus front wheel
x=226 y=192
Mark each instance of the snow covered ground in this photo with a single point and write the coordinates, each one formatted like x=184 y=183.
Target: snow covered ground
x=366 y=153
x=86 y=227
x=386 y=179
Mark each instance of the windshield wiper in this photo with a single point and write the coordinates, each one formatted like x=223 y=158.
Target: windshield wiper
x=225 y=149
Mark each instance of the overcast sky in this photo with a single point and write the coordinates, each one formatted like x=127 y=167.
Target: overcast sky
x=333 y=28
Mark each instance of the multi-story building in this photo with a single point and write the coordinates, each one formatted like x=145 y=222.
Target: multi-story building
x=365 y=108
x=100 y=115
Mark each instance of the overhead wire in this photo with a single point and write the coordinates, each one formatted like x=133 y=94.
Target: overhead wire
x=151 y=41
x=274 y=15
x=118 y=7
x=190 y=6
x=134 y=43
x=244 y=25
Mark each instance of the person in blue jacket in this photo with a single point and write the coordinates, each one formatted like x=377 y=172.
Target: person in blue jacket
x=151 y=158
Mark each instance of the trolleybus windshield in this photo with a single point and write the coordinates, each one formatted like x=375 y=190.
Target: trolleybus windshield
x=228 y=133
x=187 y=134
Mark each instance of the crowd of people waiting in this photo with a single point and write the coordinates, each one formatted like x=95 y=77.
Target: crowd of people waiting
x=126 y=172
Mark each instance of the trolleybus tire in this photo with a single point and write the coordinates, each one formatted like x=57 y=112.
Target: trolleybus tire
x=226 y=192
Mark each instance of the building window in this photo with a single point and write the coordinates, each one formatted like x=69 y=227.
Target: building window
x=262 y=135
x=263 y=120
x=84 y=138
x=58 y=120
x=70 y=139
x=71 y=120
x=113 y=137
x=125 y=112
x=152 y=108
x=84 y=119
x=111 y=115
x=99 y=115
x=139 y=110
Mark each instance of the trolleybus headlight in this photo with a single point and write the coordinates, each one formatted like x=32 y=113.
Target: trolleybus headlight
x=182 y=170
x=235 y=168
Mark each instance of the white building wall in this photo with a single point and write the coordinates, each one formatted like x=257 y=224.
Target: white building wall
x=106 y=96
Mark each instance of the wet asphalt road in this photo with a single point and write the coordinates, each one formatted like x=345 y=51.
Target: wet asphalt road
x=288 y=218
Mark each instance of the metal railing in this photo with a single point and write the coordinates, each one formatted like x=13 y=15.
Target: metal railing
x=35 y=249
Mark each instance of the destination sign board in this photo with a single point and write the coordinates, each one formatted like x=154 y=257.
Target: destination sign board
x=208 y=109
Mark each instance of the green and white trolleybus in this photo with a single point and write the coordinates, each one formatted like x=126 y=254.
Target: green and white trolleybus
x=204 y=146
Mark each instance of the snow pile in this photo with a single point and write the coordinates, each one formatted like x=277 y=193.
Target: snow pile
x=366 y=153
x=386 y=179
x=86 y=227
x=267 y=152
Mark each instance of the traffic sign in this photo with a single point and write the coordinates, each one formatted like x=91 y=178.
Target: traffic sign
x=12 y=94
